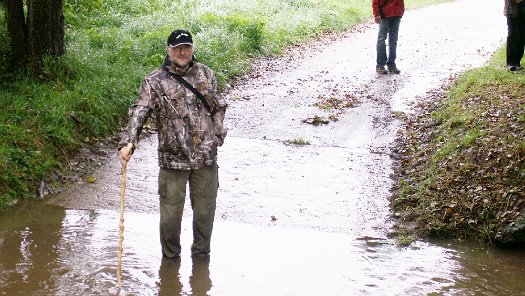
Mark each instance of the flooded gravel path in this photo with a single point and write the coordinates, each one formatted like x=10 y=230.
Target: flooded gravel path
x=291 y=219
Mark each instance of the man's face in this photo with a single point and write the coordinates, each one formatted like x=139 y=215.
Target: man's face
x=180 y=55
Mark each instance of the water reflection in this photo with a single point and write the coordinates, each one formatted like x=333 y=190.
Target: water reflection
x=484 y=270
x=45 y=250
x=29 y=248
x=169 y=283
x=200 y=281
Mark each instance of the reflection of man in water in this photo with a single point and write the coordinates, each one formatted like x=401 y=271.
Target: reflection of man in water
x=170 y=281
x=200 y=281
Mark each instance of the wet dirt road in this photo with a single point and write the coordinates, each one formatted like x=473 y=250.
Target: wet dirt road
x=328 y=200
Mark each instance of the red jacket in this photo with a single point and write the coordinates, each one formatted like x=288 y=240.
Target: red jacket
x=392 y=7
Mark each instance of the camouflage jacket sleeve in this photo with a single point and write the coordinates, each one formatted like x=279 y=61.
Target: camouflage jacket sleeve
x=138 y=114
x=219 y=111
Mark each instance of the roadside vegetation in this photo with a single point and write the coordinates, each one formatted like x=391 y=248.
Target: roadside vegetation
x=297 y=141
x=111 y=45
x=461 y=160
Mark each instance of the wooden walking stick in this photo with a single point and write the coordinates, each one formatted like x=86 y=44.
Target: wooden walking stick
x=126 y=151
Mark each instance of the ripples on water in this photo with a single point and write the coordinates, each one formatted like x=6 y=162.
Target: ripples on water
x=50 y=251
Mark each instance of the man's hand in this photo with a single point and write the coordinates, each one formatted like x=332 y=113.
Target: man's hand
x=125 y=154
x=378 y=19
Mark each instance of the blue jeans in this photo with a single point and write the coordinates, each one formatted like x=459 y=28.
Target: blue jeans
x=389 y=26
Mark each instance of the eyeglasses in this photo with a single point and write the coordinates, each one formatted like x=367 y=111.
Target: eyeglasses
x=183 y=47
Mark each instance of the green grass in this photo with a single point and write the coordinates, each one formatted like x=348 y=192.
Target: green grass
x=297 y=141
x=111 y=45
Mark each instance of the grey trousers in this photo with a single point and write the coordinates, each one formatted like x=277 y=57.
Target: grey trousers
x=203 y=185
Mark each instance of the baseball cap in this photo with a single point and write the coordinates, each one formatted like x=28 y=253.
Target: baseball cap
x=179 y=37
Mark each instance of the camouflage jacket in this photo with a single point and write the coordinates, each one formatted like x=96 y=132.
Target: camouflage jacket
x=188 y=134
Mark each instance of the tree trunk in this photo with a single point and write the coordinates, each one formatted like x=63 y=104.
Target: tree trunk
x=17 y=30
x=46 y=30
x=36 y=36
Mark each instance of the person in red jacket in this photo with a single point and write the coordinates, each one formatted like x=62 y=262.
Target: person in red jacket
x=387 y=14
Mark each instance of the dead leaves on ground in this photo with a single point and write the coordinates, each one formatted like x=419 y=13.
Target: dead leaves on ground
x=334 y=104
x=452 y=187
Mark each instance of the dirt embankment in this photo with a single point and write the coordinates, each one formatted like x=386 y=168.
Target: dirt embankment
x=476 y=190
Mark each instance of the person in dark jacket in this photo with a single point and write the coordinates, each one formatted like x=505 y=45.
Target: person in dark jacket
x=190 y=128
x=387 y=14
x=514 y=10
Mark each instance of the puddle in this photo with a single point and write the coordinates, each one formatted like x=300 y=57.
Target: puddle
x=73 y=252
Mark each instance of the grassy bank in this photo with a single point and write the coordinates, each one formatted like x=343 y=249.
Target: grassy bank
x=111 y=45
x=462 y=160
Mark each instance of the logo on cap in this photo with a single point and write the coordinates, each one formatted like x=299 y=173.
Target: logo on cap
x=179 y=37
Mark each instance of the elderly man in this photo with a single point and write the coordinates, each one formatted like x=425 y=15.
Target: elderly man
x=189 y=114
